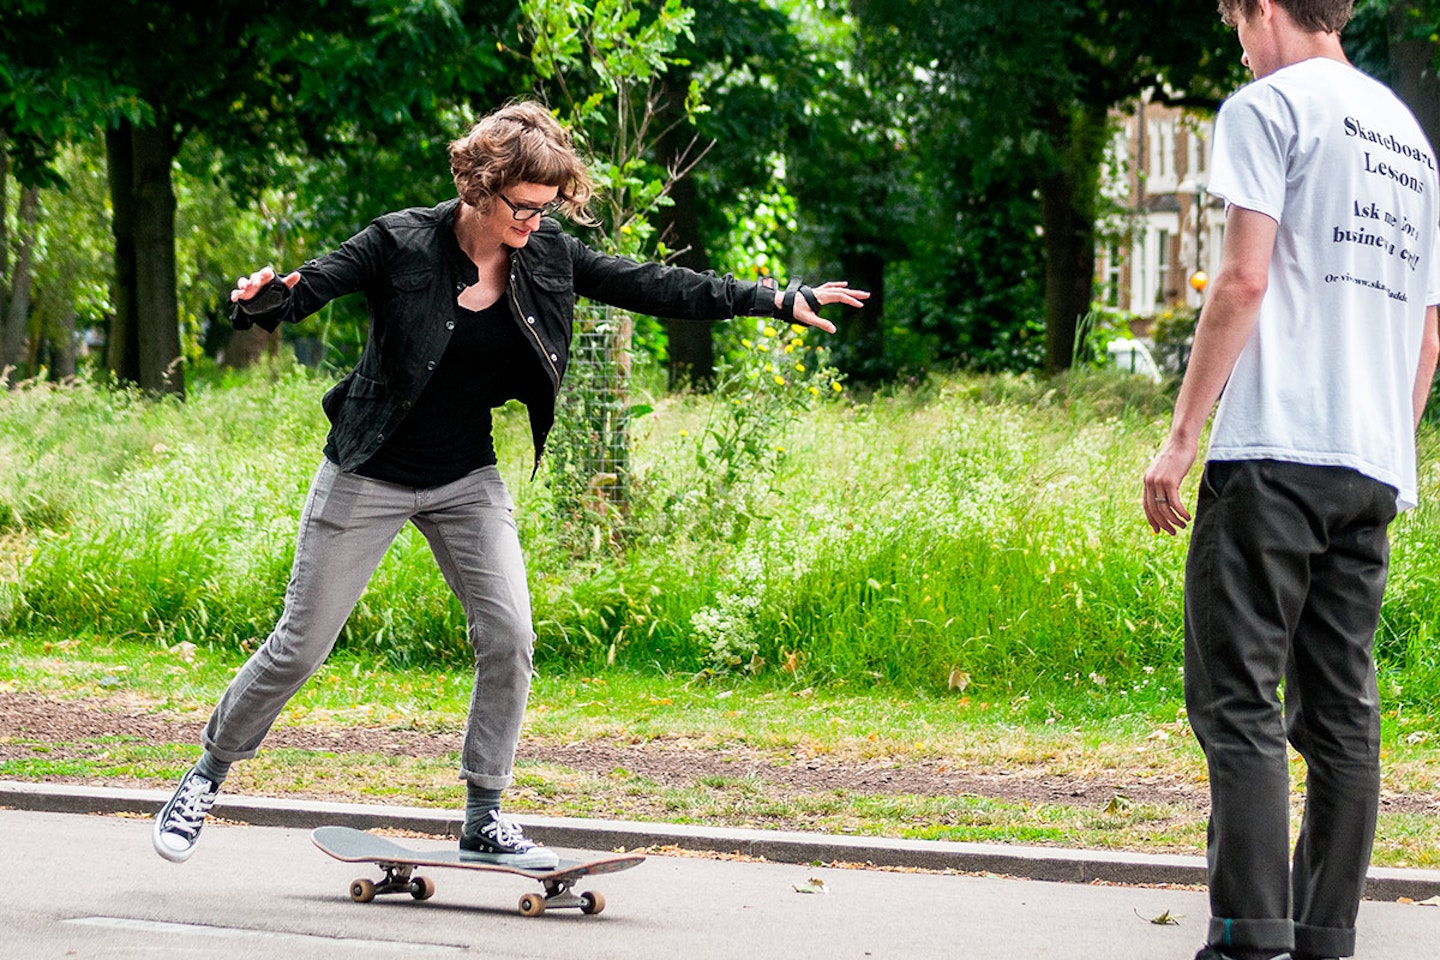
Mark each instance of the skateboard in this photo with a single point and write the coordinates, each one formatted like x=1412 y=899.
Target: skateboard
x=399 y=863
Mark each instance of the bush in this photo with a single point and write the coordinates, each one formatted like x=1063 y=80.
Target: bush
x=983 y=533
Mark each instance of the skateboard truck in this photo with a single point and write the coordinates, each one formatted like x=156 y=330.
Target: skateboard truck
x=400 y=863
x=397 y=879
x=558 y=896
x=400 y=878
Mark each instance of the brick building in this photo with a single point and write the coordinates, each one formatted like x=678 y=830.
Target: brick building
x=1166 y=227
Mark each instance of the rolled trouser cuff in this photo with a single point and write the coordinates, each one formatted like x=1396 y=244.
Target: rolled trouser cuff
x=1252 y=934
x=1324 y=941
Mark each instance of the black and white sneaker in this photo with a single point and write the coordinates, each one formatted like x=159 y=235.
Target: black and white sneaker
x=177 y=825
x=503 y=842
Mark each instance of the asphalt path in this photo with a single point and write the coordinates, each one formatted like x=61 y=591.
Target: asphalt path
x=89 y=886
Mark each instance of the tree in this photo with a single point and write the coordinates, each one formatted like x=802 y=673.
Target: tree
x=72 y=264
x=16 y=274
x=255 y=78
x=1415 y=60
x=849 y=163
x=1398 y=41
x=752 y=68
x=1031 y=84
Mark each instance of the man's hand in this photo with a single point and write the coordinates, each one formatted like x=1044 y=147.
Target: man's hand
x=1162 y=487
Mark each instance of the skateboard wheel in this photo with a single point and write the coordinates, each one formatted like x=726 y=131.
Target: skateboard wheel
x=362 y=890
x=532 y=905
x=422 y=888
x=591 y=902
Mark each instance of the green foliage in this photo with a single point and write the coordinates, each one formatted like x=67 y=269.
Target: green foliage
x=1095 y=332
x=769 y=380
x=1004 y=106
x=603 y=61
x=1173 y=334
x=983 y=532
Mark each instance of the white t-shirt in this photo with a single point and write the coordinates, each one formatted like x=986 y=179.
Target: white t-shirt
x=1327 y=376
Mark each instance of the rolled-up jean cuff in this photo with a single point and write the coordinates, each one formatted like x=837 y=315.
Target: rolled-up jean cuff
x=219 y=753
x=1252 y=934
x=1324 y=941
x=485 y=782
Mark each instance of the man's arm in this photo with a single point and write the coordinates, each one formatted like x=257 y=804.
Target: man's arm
x=1429 y=351
x=1226 y=322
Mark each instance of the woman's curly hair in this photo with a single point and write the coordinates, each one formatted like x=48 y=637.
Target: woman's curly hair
x=521 y=143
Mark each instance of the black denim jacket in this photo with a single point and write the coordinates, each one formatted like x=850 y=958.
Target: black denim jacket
x=411 y=268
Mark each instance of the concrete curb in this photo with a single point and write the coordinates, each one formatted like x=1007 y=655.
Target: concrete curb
x=1032 y=863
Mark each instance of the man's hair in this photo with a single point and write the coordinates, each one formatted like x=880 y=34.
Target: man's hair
x=520 y=143
x=1313 y=16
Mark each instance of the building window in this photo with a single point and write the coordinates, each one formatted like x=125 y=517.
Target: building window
x=1162 y=265
x=1157 y=152
x=1112 y=275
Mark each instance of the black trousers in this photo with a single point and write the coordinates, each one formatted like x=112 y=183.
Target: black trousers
x=1283 y=582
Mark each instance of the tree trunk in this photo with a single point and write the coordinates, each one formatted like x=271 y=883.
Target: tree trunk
x=860 y=339
x=244 y=347
x=1413 y=71
x=4 y=216
x=692 y=342
x=56 y=308
x=1067 y=200
x=122 y=347
x=62 y=359
x=1069 y=269
x=157 y=313
x=15 y=322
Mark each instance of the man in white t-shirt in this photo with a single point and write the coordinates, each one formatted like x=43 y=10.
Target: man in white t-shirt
x=1320 y=329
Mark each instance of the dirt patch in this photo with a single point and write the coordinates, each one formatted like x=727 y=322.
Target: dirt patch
x=66 y=725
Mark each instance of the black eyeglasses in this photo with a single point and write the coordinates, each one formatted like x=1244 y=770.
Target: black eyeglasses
x=528 y=213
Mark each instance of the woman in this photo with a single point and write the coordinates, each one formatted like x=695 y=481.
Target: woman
x=470 y=306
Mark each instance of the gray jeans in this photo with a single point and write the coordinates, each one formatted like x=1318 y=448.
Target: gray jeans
x=348 y=523
x=1285 y=575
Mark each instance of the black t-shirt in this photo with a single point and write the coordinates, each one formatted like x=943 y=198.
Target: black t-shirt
x=447 y=433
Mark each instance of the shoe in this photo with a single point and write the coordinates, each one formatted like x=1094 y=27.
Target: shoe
x=501 y=841
x=177 y=825
x=1210 y=953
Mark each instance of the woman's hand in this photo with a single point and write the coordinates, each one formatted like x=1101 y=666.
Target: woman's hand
x=247 y=287
x=833 y=291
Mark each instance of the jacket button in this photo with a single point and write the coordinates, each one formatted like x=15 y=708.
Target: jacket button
x=460 y=286
x=530 y=320
x=430 y=365
x=553 y=357
x=405 y=405
x=449 y=324
x=379 y=438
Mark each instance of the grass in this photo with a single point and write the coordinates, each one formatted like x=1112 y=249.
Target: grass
x=954 y=571
x=977 y=531
x=751 y=722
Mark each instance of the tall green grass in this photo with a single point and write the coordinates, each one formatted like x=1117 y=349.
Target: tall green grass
x=978 y=534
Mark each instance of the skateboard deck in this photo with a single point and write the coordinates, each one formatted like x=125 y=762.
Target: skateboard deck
x=399 y=864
